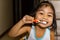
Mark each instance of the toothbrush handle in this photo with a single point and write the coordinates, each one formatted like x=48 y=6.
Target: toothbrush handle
x=35 y=21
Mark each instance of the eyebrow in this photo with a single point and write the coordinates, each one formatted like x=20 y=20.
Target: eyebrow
x=50 y=13
x=40 y=10
x=43 y=11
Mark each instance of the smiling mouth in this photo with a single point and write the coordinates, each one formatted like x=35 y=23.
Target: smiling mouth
x=44 y=22
x=41 y=22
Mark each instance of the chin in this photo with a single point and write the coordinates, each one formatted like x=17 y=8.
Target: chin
x=43 y=26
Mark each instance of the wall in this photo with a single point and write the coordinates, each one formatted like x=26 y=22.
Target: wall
x=57 y=8
x=6 y=15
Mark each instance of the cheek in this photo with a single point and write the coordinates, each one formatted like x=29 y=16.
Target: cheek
x=38 y=16
x=50 y=20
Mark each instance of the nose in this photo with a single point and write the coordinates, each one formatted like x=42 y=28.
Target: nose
x=45 y=17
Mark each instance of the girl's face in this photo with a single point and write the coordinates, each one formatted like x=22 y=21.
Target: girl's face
x=45 y=15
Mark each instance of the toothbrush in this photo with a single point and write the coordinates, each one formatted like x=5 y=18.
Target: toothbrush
x=36 y=21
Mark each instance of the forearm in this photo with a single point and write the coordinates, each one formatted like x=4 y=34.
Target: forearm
x=15 y=28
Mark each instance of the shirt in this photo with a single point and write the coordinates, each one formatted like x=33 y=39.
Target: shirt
x=32 y=35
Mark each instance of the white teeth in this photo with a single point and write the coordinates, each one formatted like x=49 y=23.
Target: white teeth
x=44 y=22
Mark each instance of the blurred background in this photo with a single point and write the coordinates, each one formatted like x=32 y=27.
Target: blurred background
x=11 y=11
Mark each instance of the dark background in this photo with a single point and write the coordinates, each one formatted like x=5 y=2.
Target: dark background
x=25 y=8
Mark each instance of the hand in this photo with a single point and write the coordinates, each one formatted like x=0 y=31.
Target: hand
x=28 y=19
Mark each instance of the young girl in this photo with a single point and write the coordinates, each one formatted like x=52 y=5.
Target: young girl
x=43 y=22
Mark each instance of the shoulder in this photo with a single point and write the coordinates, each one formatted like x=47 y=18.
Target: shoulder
x=51 y=32
x=28 y=28
x=52 y=35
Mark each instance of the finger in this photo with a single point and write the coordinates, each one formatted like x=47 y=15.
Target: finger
x=29 y=22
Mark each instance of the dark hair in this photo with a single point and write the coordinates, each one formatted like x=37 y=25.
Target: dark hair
x=46 y=3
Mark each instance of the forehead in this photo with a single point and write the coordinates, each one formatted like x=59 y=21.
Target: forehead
x=45 y=8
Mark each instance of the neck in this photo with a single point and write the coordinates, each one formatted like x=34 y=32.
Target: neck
x=38 y=28
x=39 y=31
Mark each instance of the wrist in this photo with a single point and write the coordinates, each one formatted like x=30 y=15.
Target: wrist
x=22 y=21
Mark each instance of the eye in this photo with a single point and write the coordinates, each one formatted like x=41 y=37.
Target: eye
x=50 y=15
x=41 y=13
